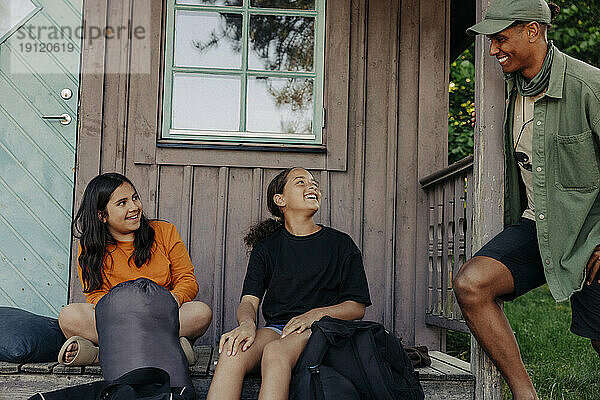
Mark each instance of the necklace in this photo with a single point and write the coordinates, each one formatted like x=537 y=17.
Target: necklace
x=522 y=157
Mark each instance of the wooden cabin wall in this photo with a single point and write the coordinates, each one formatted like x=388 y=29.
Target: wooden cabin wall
x=396 y=134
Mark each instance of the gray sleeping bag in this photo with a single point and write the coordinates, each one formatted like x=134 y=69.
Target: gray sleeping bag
x=138 y=326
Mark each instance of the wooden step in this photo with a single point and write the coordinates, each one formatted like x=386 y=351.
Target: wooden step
x=447 y=379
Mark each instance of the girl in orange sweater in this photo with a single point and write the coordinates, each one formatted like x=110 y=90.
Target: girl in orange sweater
x=117 y=243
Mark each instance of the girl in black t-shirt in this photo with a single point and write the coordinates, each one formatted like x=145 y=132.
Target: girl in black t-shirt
x=301 y=271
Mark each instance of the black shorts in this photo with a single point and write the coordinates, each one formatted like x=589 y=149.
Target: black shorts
x=516 y=247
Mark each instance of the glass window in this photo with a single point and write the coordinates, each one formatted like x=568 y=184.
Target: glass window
x=12 y=14
x=280 y=105
x=298 y=4
x=244 y=71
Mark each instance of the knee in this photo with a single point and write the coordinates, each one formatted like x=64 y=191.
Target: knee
x=274 y=357
x=204 y=314
x=72 y=316
x=470 y=284
x=596 y=346
x=233 y=365
x=65 y=318
x=199 y=313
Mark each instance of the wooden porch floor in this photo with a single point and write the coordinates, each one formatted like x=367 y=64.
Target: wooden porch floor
x=447 y=379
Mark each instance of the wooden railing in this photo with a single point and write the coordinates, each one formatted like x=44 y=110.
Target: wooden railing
x=450 y=220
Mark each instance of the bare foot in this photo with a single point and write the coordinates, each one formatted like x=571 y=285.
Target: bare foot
x=71 y=352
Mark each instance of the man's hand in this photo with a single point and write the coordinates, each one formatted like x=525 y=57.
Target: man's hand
x=592 y=266
x=301 y=322
x=231 y=341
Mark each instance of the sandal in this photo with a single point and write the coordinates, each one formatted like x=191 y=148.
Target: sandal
x=87 y=352
x=188 y=350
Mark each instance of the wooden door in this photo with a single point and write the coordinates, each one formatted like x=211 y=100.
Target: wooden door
x=39 y=79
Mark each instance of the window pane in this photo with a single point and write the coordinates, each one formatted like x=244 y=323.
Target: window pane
x=211 y=2
x=208 y=39
x=206 y=102
x=280 y=105
x=281 y=43
x=296 y=4
x=12 y=13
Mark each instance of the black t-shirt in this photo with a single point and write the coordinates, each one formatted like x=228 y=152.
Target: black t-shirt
x=299 y=273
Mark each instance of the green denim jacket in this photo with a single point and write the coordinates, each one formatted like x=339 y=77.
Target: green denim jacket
x=566 y=172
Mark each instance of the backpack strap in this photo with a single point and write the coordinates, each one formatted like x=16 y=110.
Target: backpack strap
x=319 y=341
x=312 y=359
x=368 y=361
x=316 y=386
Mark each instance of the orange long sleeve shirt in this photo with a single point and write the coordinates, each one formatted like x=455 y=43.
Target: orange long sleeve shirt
x=170 y=265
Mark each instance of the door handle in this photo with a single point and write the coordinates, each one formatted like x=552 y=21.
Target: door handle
x=64 y=119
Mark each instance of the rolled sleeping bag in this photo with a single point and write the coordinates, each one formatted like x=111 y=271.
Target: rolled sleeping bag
x=138 y=326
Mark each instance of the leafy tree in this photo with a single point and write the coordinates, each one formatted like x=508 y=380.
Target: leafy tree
x=576 y=31
x=462 y=104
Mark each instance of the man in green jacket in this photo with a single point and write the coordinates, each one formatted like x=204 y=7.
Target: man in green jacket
x=552 y=186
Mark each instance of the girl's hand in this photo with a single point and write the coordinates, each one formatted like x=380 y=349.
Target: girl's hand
x=231 y=341
x=301 y=322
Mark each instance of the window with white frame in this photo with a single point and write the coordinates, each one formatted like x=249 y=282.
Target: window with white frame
x=244 y=71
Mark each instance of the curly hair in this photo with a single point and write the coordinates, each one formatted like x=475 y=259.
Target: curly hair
x=263 y=229
x=554 y=10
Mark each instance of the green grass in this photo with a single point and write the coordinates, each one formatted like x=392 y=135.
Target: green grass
x=458 y=345
x=562 y=366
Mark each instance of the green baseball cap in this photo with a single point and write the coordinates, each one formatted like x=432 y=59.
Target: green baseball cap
x=503 y=13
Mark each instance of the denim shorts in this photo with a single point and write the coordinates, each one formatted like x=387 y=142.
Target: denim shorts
x=276 y=328
x=517 y=248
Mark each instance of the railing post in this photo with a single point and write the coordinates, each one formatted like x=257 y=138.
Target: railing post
x=488 y=180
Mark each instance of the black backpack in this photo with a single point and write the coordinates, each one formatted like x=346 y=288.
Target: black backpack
x=353 y=360
x=143 y=383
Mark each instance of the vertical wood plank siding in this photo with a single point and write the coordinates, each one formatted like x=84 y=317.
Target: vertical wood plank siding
x=488 y=184
x=396 y=134
x=432 y=146
x=408 y=254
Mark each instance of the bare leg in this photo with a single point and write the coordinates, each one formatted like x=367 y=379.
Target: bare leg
x=194 y=319
x=78 y=319
x=479 y=282
x=278 y=360
x=229 y=374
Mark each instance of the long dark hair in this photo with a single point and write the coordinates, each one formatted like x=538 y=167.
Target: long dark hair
x=262 y=229
x=94 y=236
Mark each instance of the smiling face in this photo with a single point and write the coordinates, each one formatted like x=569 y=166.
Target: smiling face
x=300 y=193
x=123 y=212
x=513 y=49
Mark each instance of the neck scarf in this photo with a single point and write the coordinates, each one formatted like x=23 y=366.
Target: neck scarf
x=540 y=81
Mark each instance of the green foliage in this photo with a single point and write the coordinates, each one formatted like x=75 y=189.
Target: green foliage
x=462 y=105
x=458 y=345
x=562 y=366
x=576 y=31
